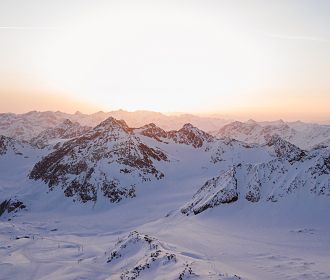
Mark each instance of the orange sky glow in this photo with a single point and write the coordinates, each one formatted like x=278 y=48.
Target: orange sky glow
x=231 y=58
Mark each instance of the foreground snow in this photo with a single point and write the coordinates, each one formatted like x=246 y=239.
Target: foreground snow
x=246 y=242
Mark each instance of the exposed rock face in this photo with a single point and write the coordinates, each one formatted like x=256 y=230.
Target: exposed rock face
x=268 y=181
x=65 y=130
x=11 y=206
x=109 y=159
x=152 y=131
x=218 y=190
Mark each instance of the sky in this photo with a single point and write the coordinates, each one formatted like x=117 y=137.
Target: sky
x=247 y=58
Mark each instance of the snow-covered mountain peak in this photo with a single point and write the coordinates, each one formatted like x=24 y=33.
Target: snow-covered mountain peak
x=108 y=160
x=284 y=149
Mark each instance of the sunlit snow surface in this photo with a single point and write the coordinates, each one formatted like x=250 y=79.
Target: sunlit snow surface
x=258 y=242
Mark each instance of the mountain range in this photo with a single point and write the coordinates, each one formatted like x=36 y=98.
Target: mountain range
x=34 y=125
x=147 y=200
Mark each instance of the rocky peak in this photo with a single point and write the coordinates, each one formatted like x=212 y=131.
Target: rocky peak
x=190 y=135
x=149 y=125
x=153 y=131
x=188 y=126
x=112 y=124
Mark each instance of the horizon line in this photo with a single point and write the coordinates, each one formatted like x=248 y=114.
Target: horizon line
x=179 y=114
